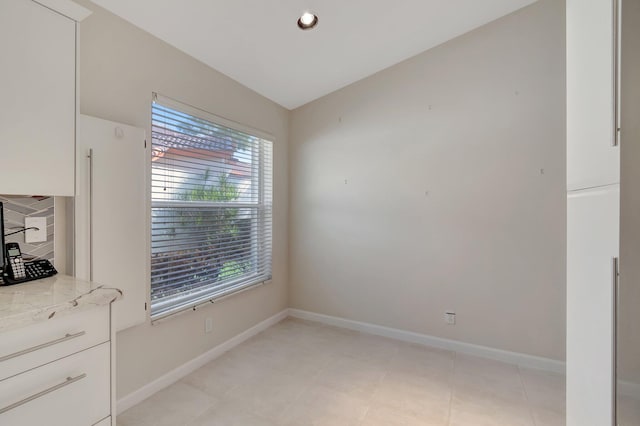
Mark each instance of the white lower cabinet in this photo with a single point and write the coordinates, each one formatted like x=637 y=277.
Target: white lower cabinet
x=58 y=372
x=72 y=391
x=592 y=246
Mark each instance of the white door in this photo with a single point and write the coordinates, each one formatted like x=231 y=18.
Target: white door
x=111 y=213
x=592 y=244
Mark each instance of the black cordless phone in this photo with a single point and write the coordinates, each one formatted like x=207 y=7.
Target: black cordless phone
x=15 y=264
x=18 y=271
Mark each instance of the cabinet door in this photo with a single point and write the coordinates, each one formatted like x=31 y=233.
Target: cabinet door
x=112 y=213
x=592 y=243
x=37 y=112
x=591 y=159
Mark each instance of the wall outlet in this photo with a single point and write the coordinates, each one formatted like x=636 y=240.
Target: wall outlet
x=33 y=235
x=208 y=325
x=450 y=317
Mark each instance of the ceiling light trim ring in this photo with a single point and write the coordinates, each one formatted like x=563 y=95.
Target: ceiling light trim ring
x=307 y=25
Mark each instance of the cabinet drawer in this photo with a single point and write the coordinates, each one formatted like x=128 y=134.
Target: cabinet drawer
x=29 y=347
x=73 y=391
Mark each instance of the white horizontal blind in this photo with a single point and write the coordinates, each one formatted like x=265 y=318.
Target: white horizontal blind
x=211 y=193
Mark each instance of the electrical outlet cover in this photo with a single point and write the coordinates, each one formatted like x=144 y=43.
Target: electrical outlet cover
x=208 y=325
x=32 y=235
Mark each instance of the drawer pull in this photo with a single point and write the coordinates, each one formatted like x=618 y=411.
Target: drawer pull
x=43 y=345
x=43 y=393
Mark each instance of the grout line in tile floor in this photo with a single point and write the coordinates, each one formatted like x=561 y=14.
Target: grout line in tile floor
x=453 y=370
x=526 y=396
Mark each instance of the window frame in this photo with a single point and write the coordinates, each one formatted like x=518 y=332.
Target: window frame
x=191 y=299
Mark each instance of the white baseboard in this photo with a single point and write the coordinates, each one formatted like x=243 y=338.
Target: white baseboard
x=176 y=374
x=520 y=359
x=629 y=389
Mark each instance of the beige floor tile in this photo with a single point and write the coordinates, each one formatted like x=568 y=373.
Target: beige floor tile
x=381 y=415
x=291 y=330
x=268 y=394
x=328 y=340
x=176 y=405
x=286 y=356
x=418 y=358
x=357 y=377
x=498 y=418
x=268 y=347
x=423 y=364
x=224 y=374
x=544 y=417
x=373 y=348
x=324 y=406
x=417 y=396
x=482 y=366
x=230 y=415
x=471 y=407
x=473 y=376
x=545 y=390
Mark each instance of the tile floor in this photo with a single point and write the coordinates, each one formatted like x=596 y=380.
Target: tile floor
x=304 y=373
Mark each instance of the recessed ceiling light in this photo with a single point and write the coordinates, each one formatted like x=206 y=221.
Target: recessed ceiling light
x=307 y=21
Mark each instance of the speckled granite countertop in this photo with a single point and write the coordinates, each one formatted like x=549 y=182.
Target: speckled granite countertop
x=40 y=300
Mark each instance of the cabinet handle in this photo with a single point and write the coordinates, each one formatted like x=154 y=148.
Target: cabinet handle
x=615 y=140
x=67 y=382
x=43 y=345
x=90 y=157
x=615 y=292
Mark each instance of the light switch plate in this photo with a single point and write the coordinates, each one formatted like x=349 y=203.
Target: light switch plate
x=33 y=236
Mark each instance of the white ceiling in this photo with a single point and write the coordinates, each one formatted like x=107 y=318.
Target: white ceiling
x=257 y=42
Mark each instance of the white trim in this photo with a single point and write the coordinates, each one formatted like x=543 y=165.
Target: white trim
x=185 y=369
x=519 y=359
x=629 y=389
x=67 y=8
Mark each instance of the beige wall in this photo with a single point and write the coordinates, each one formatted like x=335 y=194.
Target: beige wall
x=439 y=184
x=120 y=66
x=629 y=308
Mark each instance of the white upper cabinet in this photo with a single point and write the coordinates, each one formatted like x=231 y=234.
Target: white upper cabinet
x=592 y=158
x=111 y=213
x=37 y=112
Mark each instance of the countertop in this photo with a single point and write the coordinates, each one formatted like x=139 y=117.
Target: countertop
x=41 y=300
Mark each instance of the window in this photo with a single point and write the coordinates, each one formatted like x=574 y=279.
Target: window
x=211 y=192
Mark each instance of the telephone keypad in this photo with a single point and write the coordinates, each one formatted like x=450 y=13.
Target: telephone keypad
x=17 y=265
x=27 y=271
